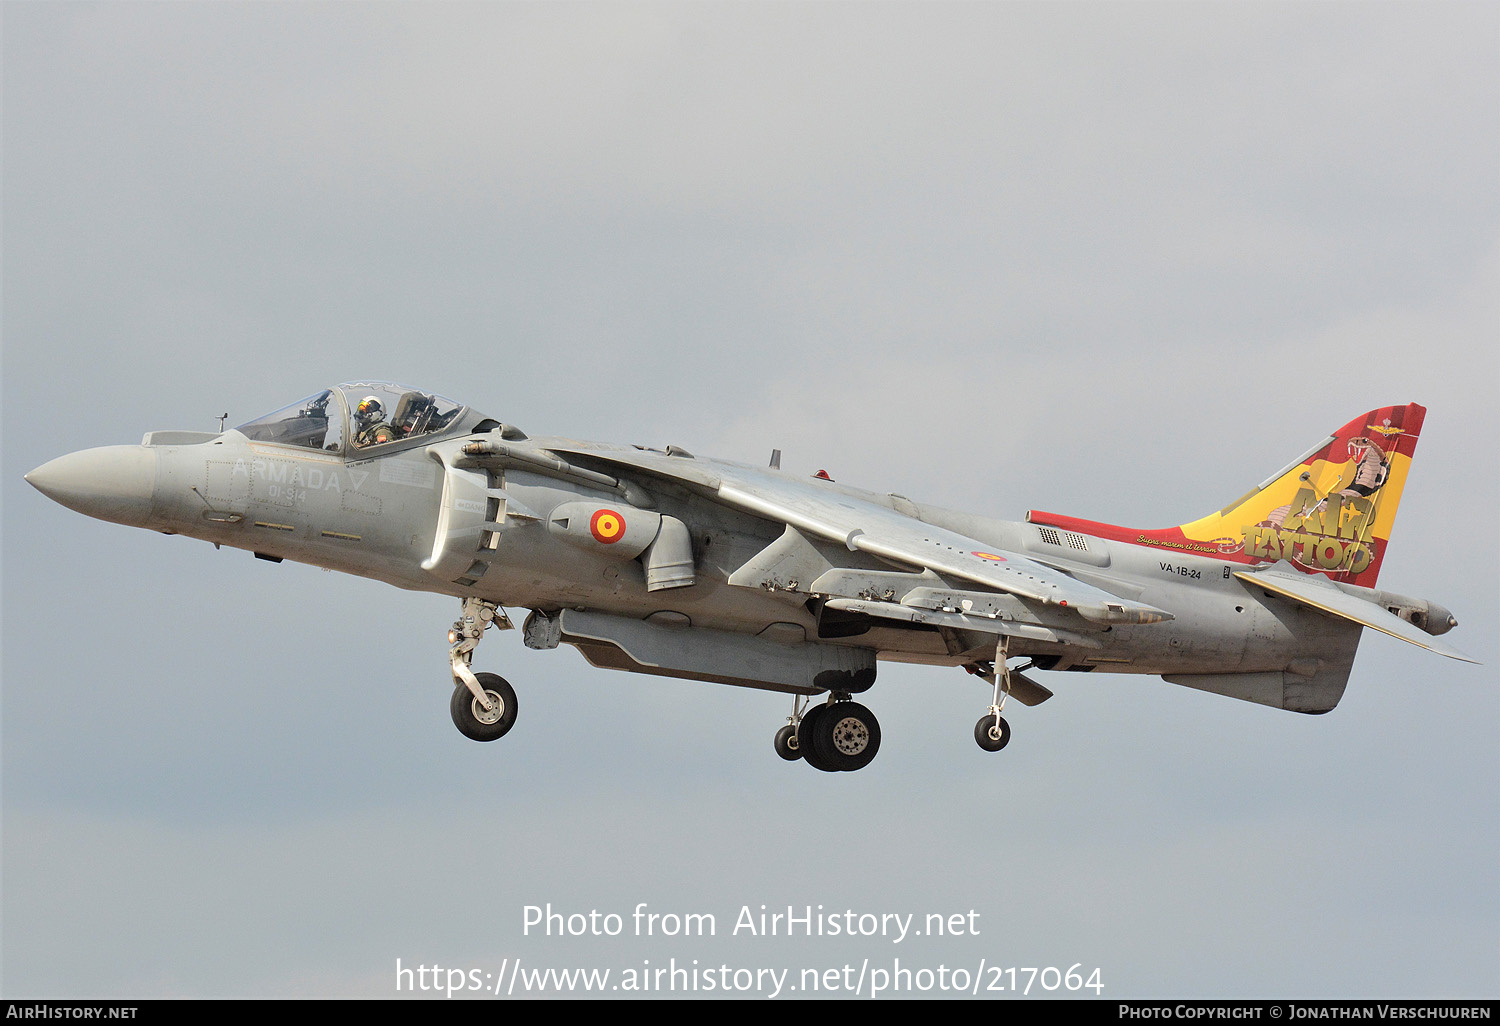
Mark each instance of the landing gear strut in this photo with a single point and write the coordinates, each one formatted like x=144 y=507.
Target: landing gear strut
x=484 y=704
x=992 y=733
x=786 y=742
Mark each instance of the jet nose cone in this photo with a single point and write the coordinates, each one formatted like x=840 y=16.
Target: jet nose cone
x=115 y=482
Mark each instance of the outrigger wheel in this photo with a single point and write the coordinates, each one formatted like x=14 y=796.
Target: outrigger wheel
x=992 y=733
x=786 y=743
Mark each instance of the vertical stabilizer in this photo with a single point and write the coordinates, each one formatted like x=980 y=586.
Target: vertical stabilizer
x=1329 y=512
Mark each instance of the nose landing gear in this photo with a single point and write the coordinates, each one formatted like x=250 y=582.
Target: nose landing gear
x=484 y=704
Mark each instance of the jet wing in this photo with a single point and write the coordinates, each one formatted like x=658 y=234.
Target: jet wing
x=1318 y=592
x=821 y=509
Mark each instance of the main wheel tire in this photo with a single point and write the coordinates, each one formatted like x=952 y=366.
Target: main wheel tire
x=807 y=734
x=847 y=737
x=786 y=743
x=992 y=733
x=476 y=722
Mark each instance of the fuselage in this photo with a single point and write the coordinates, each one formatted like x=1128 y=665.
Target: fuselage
x=395 y=515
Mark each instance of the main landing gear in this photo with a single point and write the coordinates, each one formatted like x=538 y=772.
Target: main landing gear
x=483 y=704
x=992 y=733
x=836 y=736
x=844 y=735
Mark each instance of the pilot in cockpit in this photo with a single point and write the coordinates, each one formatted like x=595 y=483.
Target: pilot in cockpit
x=370 y=427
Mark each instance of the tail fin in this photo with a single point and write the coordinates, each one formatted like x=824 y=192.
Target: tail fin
x=1329 y=512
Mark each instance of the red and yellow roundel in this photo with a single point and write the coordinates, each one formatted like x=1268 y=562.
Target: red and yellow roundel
x=990 y=556
x=607 y=526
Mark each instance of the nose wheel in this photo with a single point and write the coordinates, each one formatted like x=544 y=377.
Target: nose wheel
x=484 y=721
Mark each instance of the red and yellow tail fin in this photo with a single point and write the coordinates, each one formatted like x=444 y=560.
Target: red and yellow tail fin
x=1330 y=512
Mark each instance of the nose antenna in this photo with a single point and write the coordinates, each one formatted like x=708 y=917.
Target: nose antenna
x=222 y=418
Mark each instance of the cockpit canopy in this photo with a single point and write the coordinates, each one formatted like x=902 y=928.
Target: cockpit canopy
x=362 y=415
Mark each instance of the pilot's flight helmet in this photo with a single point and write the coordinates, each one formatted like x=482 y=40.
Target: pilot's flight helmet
x=369 y=409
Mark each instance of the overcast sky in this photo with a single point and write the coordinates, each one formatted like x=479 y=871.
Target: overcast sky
x=1120 y=261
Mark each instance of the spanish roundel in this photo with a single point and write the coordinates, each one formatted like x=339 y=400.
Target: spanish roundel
x=607 y=526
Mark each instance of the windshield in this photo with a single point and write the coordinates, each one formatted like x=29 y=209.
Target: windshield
x=317 y=422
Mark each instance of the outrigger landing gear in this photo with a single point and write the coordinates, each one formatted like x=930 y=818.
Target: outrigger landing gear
x=786 y=738
x=483 y=705
x=837 y=736
x=992 y=733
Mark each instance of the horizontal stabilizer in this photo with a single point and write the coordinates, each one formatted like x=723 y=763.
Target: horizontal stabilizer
x=1326 y=598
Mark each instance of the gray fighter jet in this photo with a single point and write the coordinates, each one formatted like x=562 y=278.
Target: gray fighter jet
x=662 y=562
